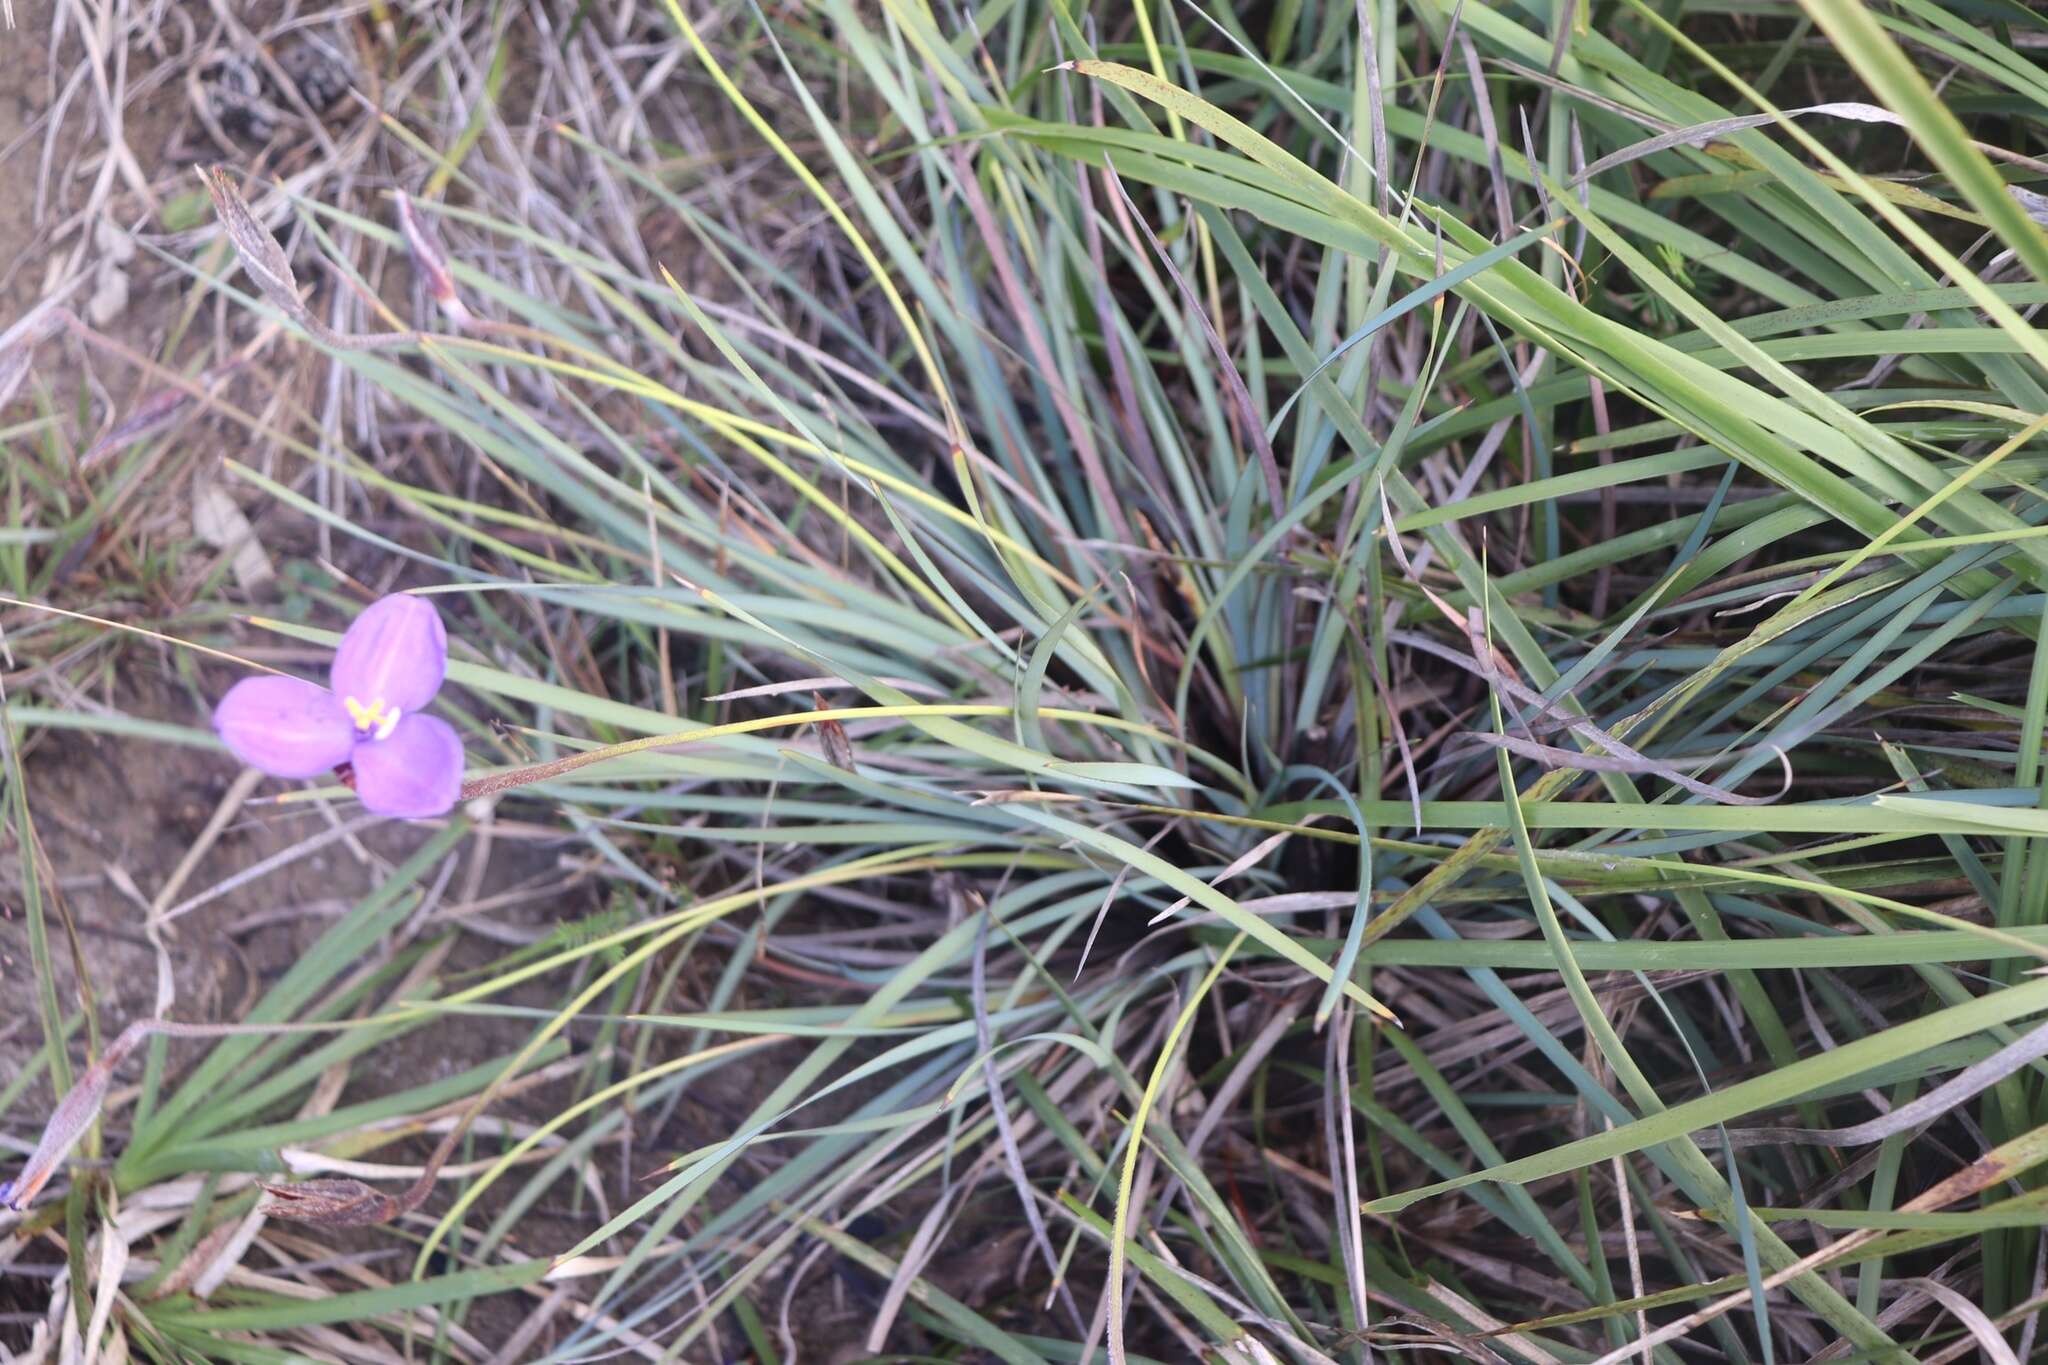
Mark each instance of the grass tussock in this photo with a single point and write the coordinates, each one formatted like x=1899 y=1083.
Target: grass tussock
x=1254 y=685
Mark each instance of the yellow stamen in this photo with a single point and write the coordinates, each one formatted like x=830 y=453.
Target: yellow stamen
x=377 y=719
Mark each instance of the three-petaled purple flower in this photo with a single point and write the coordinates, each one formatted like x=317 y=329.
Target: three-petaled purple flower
x=389 y=666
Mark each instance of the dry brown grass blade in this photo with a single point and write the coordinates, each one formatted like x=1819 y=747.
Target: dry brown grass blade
x=1972 y=1080
x=1618 y=763
x=80 y=1106
x=14 y=368
x=430 y=260
x=155 y=413
x=17 y=357
x=1995 y=1167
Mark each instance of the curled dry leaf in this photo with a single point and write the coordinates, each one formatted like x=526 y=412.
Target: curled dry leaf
x=330 y=1203
x=259 y=252
x=343 y=1203
x=69 y=1120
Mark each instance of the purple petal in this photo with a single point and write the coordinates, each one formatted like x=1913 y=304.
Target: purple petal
x=415 y=773
x=285 y=726
x=395 y=653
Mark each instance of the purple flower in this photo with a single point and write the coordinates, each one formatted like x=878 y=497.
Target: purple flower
x=389 y=666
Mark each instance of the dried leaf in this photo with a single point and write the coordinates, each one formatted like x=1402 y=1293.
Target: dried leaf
x=265 y=261
x=195 y=1262
x=329 y=1203
x=113 y=1262
x=220 y=523
x=152 y=414
x=69 y=1120
x=1990 y=1345
x=260 y=254
x=2034 y=205
x=81 y=1104
x=353 y=1204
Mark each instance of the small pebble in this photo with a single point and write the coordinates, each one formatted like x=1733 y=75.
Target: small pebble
x=109 y=296
x=114 y=244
